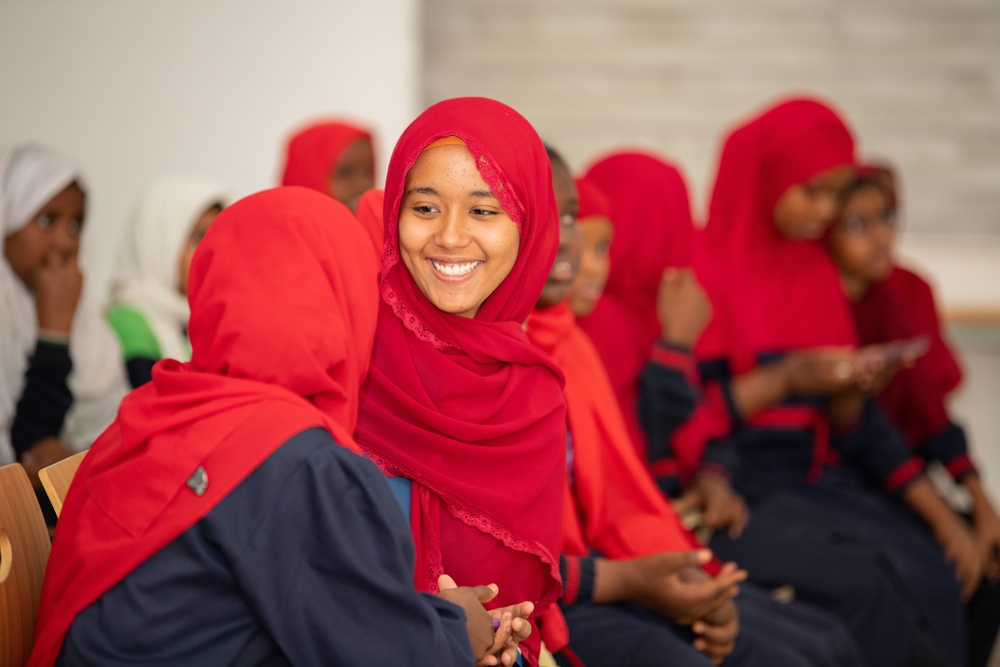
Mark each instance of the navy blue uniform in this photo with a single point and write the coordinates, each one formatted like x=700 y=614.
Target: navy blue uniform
x=307 y=562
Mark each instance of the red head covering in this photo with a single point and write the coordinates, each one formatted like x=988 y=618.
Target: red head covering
x=469 y=409
x=648 y=239
x=272 y=257
x=614 y=507
x=770 y=293
x=313 y=153
x=593 y=201
x=369 y=214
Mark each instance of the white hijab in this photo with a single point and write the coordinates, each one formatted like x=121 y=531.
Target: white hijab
x=29 y=178
x=146 y=277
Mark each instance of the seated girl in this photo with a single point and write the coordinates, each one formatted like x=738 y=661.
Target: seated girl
x=892 y=304
x=332 y=157
x=225 y=518
x=61 y=377
x=463 y=413
x=149 y=309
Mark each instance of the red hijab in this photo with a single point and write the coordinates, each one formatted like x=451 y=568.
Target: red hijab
x=593 y=202
x=613 y=506
x=770 y=293
x=468 y=409
x=314 y=151
x=369 y=214
x=648 y=238
x=250 y=385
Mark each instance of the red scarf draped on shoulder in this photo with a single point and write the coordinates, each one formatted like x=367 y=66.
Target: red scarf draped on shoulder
x=613 y=506
x=771 y=294
x=902 y=306
x=314 y=151
x=467 y=408
x=250 y=385
x=653 y=231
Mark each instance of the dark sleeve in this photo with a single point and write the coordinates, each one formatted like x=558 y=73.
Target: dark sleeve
x=578 y=579
x=877 y=447
x=140 y=370
x=46 y=398
x=328 y=570
x=951 y=449
x=667 y=397
x=721 y=457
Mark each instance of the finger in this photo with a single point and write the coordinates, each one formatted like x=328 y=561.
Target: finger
x=739 y=522
x=485 y=593
x=445 y=583
x=672 y=561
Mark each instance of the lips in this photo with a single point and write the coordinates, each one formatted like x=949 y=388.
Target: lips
x=562 y=271
x=455 y=269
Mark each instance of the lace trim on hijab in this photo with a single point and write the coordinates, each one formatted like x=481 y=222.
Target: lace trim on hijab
x=471 y=517
x=500 y=188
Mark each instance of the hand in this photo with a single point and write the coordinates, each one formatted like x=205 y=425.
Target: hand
x=986 y=526
x=875 y=371
x=962 y=551
x=478 y=621
x=514 y=629
x=823 y=370
x=682 y=307
x=723 y=507
x=717 y=632
x=42 y=454
x=681 y=595
x=57 y=285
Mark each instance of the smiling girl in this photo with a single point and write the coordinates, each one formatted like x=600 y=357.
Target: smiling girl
x=460 y=410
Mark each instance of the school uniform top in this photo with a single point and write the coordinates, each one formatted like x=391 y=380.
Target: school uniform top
x=307 y=562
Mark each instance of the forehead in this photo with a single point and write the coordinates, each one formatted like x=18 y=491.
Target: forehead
x=445 y=165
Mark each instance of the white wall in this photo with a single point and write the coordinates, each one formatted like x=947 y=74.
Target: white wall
x=208 y=87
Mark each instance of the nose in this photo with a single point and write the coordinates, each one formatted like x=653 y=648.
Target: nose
x=882 y=235
x=64 y=240
x=451 y=231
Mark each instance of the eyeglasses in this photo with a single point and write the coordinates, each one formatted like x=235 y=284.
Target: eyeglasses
x=857 y=225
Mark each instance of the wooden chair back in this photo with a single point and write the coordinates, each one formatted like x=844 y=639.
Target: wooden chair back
x=24 y=552
x=57 y=477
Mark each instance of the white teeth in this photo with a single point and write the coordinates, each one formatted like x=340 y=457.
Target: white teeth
x=455 y=269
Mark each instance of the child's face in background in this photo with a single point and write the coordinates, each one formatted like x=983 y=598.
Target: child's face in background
x=595 y=265
x=567 y=261
x=354 y=174
x=54 y=230
x=198 y=232
x=861 y=240
x=805 y=210
x=455 y=239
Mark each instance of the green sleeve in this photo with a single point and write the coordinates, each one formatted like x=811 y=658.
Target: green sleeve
x=136 y=337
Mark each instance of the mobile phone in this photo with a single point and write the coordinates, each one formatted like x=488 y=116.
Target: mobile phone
x=906 y=350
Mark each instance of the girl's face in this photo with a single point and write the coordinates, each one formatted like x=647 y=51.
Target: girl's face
x=354 y=174
x=805 y=210
x=861 y=240
x=198 y=232
x=567 y=261
x=455 y=239
x=595 y=265
x=55 y=230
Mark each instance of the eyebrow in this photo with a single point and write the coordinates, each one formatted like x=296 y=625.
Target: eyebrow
x=427 y=190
